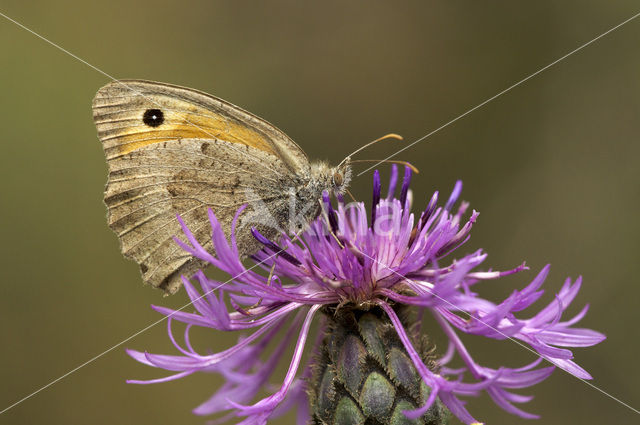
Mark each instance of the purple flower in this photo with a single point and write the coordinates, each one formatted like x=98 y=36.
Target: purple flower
x=385 y=257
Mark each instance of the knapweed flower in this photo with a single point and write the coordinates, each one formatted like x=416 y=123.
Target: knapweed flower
x=363 y=273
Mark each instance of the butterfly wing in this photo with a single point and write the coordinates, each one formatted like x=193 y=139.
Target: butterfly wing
x=176 y=151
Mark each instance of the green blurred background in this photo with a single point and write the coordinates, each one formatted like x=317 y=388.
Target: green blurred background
x=552 y=166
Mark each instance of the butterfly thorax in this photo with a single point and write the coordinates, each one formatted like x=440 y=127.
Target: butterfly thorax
x=304 y=200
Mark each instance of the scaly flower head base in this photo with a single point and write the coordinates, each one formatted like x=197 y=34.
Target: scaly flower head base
x=351 y=259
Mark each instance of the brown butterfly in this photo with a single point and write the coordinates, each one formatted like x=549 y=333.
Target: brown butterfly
x=177 y=151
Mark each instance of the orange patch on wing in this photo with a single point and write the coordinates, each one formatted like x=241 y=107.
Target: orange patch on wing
x=198 y=123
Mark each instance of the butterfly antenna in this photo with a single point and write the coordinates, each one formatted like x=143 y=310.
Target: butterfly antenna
x=351 y=195
x=390 y=161
x=385 y=137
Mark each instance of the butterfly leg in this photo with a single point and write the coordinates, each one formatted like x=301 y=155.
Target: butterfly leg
x=273 y=267
x=327 y=223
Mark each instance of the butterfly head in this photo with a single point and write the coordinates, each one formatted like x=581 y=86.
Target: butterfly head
x=341 y=176
x=332 y=179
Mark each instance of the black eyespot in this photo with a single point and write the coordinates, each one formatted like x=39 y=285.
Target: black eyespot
x=153 y=117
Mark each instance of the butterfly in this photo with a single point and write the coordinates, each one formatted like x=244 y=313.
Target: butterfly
x=173 y=151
